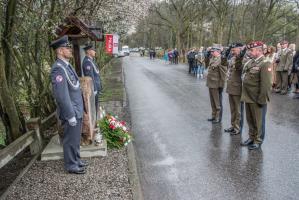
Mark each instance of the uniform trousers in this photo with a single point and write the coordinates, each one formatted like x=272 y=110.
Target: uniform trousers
x=235 y=111
x=256 y=119
x=282 y=81
x=71 y=145
x=216 y=102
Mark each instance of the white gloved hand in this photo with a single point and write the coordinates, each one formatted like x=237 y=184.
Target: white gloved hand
x=72 y=121
x=95 y=93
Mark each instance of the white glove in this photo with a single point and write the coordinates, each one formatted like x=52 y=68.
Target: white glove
x=72 y=121
x=95 y=93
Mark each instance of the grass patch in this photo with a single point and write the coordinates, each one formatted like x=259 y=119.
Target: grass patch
x=2 y=134
x=113 y=85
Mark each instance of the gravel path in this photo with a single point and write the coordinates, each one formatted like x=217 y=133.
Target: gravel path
x=106 y=178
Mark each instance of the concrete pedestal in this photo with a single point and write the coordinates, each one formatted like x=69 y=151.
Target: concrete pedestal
x=54 y=151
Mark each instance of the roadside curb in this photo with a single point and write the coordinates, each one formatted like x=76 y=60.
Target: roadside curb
x=132 y=161
x=133 y=173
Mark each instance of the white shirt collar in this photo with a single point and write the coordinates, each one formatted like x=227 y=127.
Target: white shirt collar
x=65 y=61
x=89 y=57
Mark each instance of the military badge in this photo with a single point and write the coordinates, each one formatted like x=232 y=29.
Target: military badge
x=59 y=78
x=269 y=69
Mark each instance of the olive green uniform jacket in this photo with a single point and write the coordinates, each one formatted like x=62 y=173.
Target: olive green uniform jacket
x=216 y=73
x=234 y=81
x=256 y=81
x=285 y=61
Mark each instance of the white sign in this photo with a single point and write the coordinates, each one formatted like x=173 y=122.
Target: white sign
x=115 y=43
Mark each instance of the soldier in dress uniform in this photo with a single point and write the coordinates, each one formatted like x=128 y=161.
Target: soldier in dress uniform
x=256 y=79
x=91 y=69
x=68 y=96
x=215 y=82
x=234 y=87
x=283 y=68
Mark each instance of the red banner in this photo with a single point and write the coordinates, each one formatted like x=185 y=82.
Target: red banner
x=109 y=43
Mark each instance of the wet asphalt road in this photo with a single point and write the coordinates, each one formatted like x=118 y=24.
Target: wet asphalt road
x=181 y=156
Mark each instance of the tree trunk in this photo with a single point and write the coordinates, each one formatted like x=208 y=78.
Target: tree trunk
x=9 y=112
x=297 y=38
x=12 y=121
x=7 y=38
x=178 y=40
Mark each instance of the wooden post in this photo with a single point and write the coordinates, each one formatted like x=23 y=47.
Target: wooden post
x=37 y=145
x=89 y=115
x=77 y=57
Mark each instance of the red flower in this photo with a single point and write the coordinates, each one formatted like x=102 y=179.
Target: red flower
x=112 y=127
x=123 y=123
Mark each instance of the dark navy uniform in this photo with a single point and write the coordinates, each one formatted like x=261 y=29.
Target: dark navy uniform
x=91 y=69
x=68 y=97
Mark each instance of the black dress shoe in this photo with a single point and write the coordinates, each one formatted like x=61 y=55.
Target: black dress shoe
x=77 y=171
x=234 y=132
x=231 y=129
x=211 y=119
x=83 y=163
x=247 y=142
x=254 y=146
x=216 y=121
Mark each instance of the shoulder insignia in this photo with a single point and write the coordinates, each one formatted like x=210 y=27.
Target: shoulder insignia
x=59 y=78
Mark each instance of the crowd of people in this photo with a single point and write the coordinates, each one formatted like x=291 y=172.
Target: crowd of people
x=172 y=56
x=284 y=61
x=249 y=72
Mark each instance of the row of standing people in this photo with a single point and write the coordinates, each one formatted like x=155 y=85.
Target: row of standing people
x=285 y=62
x=197 y=61
x=248 y=79
x=171 y=56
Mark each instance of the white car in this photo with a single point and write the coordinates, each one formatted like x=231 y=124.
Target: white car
x=126 y=50
x=121 y=54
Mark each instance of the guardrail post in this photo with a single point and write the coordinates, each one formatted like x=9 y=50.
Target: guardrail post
x=37 y=145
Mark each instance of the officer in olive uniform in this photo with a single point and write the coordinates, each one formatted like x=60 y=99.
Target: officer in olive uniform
x=234 y=88
x=283 y=68
x=68 y=96
x=91 y=69
x=255 y=93
x=215 y=82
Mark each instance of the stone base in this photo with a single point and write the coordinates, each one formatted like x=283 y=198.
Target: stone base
x=54 y=151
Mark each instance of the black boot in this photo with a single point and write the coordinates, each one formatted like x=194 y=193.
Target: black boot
x=231 y=129
x=247 y=142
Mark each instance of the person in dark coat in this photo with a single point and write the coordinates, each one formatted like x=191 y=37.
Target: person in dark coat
x=191 y=60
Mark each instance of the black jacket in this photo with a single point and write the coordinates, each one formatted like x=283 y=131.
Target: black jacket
x=296 y=62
